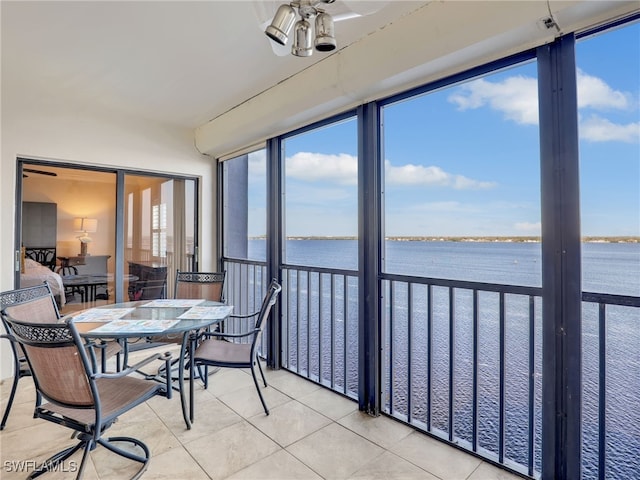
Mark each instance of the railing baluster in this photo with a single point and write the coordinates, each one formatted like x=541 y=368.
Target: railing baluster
x=429 y=354
x=308 y=324
x=501 y=408
x=409 y=349
x=452 y=357
x=320 y=329
x=345 y=310
x=297 y=276
x=602 y=391
x=333 y=332
x=391 y=343
x=289 y=293
x=532 y=385
x=474 y=406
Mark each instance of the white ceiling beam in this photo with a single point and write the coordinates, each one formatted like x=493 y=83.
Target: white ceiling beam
x=439 y=39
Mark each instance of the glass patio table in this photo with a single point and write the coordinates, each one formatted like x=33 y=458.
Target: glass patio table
x=148 y=318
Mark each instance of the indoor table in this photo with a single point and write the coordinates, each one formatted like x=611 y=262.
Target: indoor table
x=87 y=285
x=146 y=318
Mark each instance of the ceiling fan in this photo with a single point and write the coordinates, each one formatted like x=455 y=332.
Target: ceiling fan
x=276 y=18
x=38 y=172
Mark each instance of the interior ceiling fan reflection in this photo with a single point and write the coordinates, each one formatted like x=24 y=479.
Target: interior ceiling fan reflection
x=267 y=11
x=38 y=172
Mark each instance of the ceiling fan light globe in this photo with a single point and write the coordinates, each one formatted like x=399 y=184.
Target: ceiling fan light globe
x=281 y=24
x=326 y=45
x=325 y=36
x=302 y=39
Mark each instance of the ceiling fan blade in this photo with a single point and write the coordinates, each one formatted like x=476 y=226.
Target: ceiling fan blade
x=40 y=172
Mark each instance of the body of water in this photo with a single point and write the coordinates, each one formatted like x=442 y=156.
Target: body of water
x=606 y=268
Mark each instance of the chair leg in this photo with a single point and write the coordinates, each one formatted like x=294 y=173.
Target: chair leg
x=257 y=360
x=103 y=359
x=144 y=460
x=255 y=380
x=12 y=395
x=52 y=462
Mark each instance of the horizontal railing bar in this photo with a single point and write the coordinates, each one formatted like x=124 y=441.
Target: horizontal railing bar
x=244 y=261
x=465 y=284
x=307 y=268
x=611 y=299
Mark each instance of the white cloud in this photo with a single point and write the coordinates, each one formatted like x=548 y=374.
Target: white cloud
x=341 y=168
x=410 y=174
x=593 y=92
x=528 y=227
x=517 y=98
x=598 y=129
x=257 y=162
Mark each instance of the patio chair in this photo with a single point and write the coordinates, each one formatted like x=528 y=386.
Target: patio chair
x=241 y=352
x=78 y=397
x=194 y=285
x=19 y=304
x=49 y=310
x=206 y=285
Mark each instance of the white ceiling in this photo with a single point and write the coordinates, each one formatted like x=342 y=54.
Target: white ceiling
x=181 y=63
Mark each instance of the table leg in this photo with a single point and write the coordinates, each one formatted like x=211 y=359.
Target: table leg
x=183 y=401
x=192 y=348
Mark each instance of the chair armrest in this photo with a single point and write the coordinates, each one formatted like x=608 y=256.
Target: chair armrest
x=249 y=315
x=231 y=335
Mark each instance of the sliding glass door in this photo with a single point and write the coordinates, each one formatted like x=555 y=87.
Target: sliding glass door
x=100 y=236
x=159 y=232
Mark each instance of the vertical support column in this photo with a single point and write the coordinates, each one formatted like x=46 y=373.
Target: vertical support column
x=369 y=259
x=120 y=253
x=234 y=204
x=275 y=233
x=561 y=261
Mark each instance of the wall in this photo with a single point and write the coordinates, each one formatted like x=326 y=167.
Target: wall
x=44 y=128
x=93 y=197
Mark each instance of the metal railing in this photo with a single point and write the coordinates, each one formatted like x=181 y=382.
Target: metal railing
x=245 y=285
x=462 y=360
x=320 y=326
x=448 y=346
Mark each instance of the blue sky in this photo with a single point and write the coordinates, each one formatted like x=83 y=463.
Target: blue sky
x=465 y=160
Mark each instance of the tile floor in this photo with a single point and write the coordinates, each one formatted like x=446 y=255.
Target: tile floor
x=311 y=433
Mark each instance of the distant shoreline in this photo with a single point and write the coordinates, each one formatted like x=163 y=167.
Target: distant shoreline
x=485 y=239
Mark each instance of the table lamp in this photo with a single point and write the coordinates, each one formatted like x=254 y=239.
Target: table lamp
x=84 y=225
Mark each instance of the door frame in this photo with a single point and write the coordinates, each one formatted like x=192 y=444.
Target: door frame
x=120 y=174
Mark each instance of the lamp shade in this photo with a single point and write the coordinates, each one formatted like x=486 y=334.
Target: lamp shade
x=325 y=37
x=281 y=25
x=302 y=39
x=88 y=225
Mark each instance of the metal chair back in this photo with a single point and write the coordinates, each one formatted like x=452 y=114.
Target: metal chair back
x=46 y=302
x=206 y=285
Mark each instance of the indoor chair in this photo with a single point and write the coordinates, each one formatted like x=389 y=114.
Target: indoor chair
x=236 y=350
x=78 y=397
x=151 y=284
x=49 y=311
